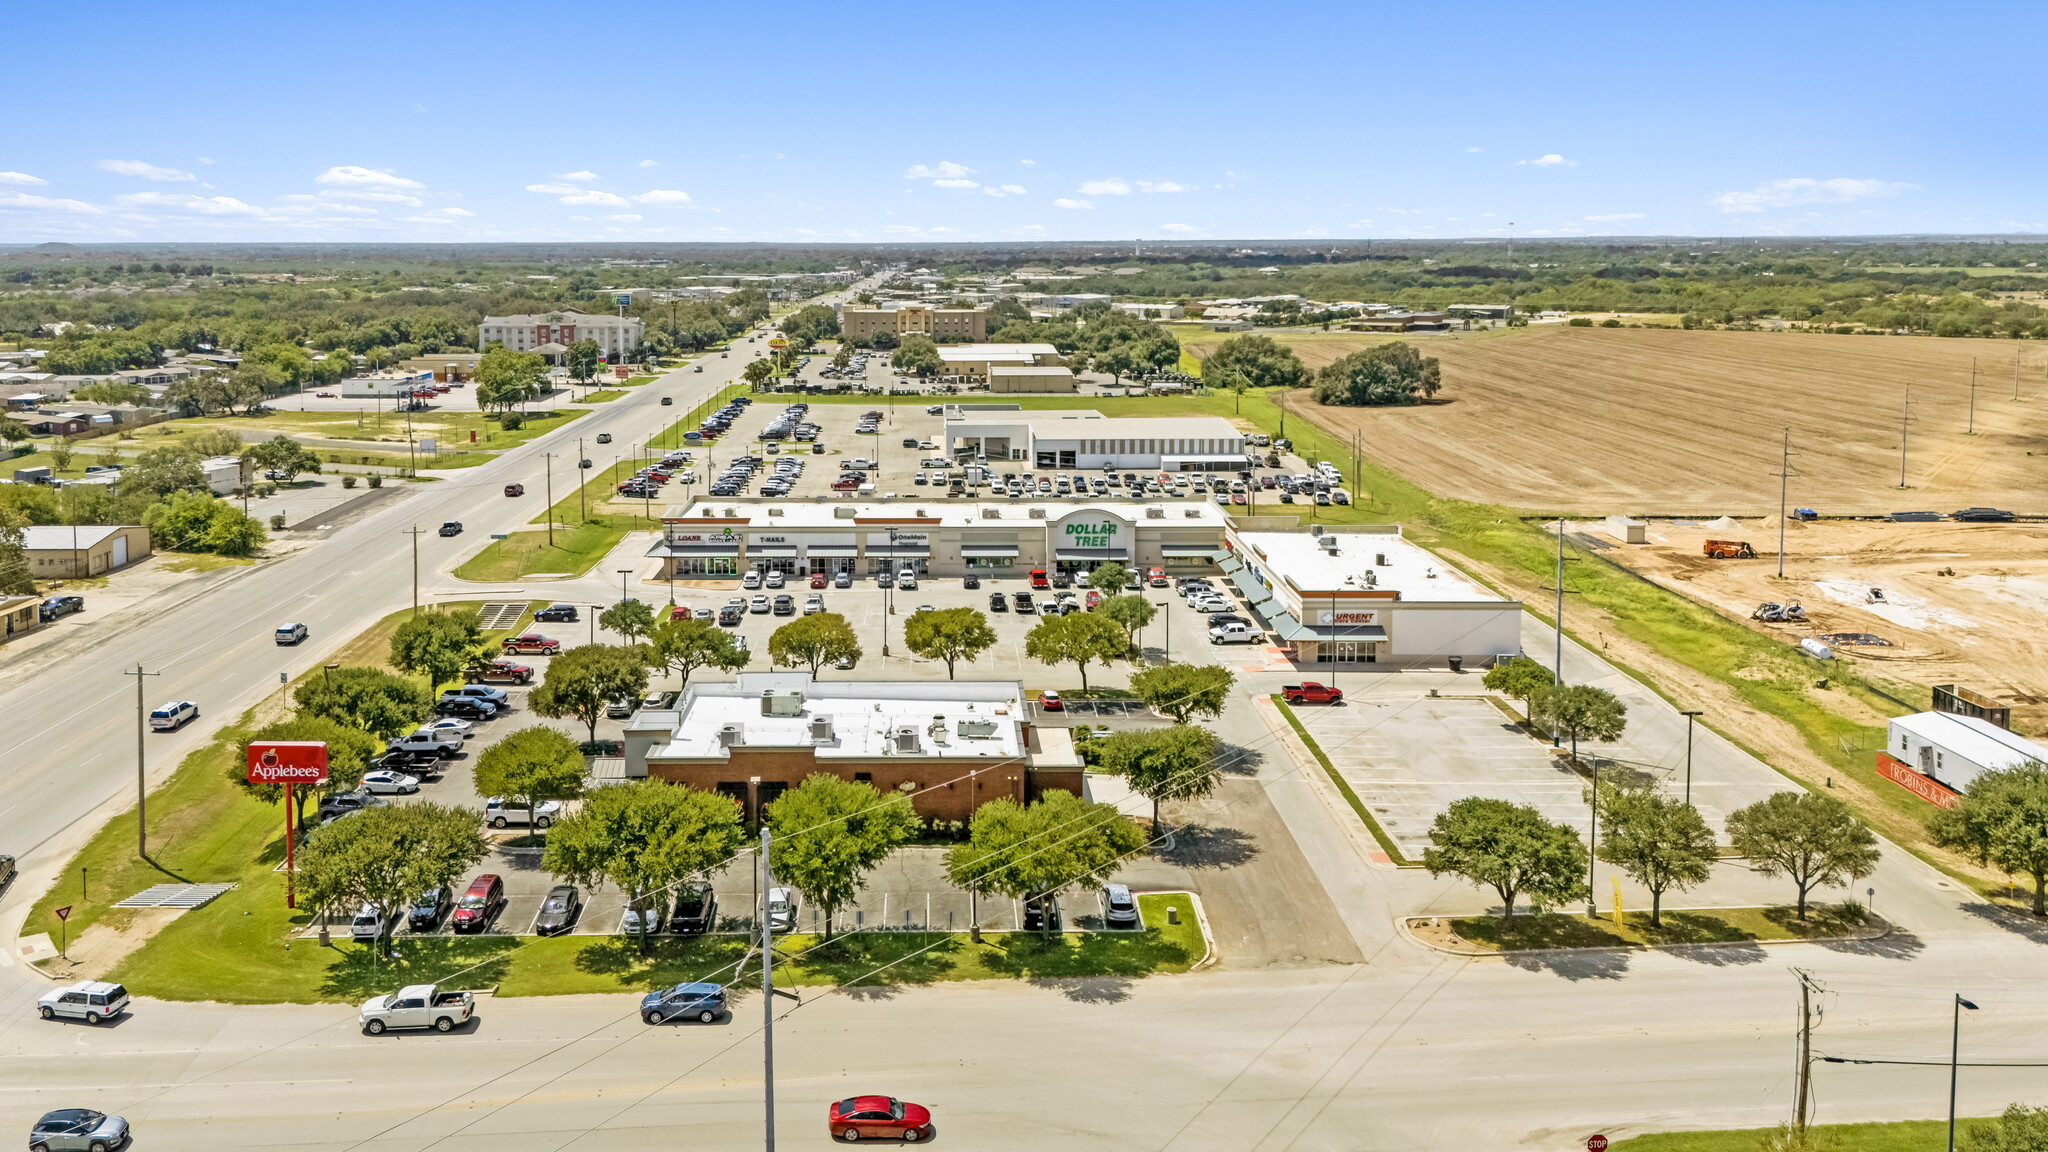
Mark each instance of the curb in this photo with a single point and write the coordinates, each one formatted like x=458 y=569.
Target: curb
x=1404 y=925
x=1209 y=954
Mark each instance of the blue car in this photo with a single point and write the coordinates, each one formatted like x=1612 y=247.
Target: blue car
x=703 y=1001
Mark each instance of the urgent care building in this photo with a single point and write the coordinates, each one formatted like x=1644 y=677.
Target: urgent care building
x=1362 y=594
x=724 y=538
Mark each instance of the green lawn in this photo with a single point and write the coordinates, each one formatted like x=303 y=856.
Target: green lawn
x=599 y=397
x=1898 y=1136
x=526 y=553
x=1700 y=926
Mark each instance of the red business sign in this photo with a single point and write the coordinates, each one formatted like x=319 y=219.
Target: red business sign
x=288 y=762
x=1925 y=787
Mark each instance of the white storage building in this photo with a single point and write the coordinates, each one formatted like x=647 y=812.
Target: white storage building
x=1954 y=750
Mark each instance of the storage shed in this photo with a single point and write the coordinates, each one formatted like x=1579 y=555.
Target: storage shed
x=1952 y=750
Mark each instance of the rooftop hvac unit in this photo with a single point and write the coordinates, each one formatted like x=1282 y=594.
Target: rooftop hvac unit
x=1329 y=544
x=785 y=704
x=1191 y=513
x=732 y=512
x=731 y=736
x=1380 y=559
x=1037 y=513
x=843 y=513
x=1155 y=513
x=977 y=729
x=991 y=513
x=775 y=511
x=821 y=730
x=1372 y=579
x=1315 y=530
x=904 y=739
x=920 y=513
x=937 y=731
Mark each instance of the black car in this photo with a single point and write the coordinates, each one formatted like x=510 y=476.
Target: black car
x=409 y=762
x=785 y=606
x=556 y=613
x=667 y=400
x=452 y=528
x=997 y=602
x=696 y=910
x=428 y=908
x=558 y=912
x=465 y=708
x=57 y=606
x=1062 y=580
x=730 y=615
x=1037 y=910
x=1219 y=619
x=970 y=582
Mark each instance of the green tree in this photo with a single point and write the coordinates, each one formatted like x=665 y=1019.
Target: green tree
x=1076 y=639
x=1184 y=691
x=582 y=680
x=230 y=532
x=1029 y=852
x=2019 y=1129
x=2002 y=821
x=246 y=387
x=827 y=833
x=1260 y=361
x=1393 y=373
x=1578 y=711
x=757 y=372
x=114 y=392
x=685 y=645
x=813 y=642
x=645 y=837
x=1508 y=847
x=15 y=577
x=1178 y=763
x=917 y=354
x=61 y=453
x=631 y=619
x=531 y=765
x=13 y=431
x=1118 y=361
x=1662 y=844
x=1813 y=840
x=158 y=471
x=506 y=379
x=349 y=752
x=1108 y=577
x=437 y=645
x=1518 y=679
x=811 y=323
x=288 y=364
x=284 y=454
x=201 y=522
x=583 y=358
x=386 y=856
x=949 y=634
x=1131 y=611
x=366 y=699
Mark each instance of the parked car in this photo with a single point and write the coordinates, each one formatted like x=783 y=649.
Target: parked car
x=700 y=1002
x=997 y=602
x=556 y=613
x=419 y=1006
x=493 y=696
x=696 y=910
x=843 y=579
x=1041 y=913
x=758 y=604
x=531 y=642
x=1232 y=634
x=465 y=707
x=428 y=908
x=498 y=812
x=482 y=900
x=451 y=528
x=78 y=1128
x=515 y=489
x=89 y=1000
x=1311 y=692
x=291 y=633
x=499 y=672
x=386 y=782
x=559 y=911
x=446 y=744
x=368 y=923
x=1119 y=910
x=782 y=905
x=1049 y=701
x=878 y=1117
x=637 y=919
x=59 y=606
x=342 y=804
x=970 y=581
x=173 y=716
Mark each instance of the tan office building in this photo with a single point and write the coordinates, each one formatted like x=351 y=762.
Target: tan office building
x=903 y=319
x=1012 y=378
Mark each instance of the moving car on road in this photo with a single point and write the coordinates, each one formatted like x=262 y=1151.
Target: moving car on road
x=78 y=1128
x=290 y=633
x=515 y=489
x=173 y=716
x=89 y=1000
x=451 y=528
x=419 y=1006
x=701 y=1002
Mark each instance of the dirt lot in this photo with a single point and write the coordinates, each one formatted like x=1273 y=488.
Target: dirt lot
x=1663 y=422
x=1963 y=603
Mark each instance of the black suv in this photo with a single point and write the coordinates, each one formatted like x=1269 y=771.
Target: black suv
x=696 y=911
x=428 y=909
x=465 y=708
x=556 y=613
x=57 y=606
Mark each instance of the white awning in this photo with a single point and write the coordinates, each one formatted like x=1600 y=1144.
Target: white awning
x=1098 y=554
x=1208 y=551
x=775 y=551
x=832 y=551
x=988 y=549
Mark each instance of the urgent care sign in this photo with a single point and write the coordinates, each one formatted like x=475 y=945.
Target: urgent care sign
x=288 y=762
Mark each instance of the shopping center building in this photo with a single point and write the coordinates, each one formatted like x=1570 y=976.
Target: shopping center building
x=1086 y=439
x=1362 y=594
x=727 y=537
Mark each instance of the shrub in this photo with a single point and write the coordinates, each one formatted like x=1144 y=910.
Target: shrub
x=1610 y=322
x=348 y=481
x=277 y=522
x=1580 y=322
x=512 y=421
x=376 y=481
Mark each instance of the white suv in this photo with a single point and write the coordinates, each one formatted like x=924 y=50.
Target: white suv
x=173 y=716
x=499 y=812
x=89 y=1000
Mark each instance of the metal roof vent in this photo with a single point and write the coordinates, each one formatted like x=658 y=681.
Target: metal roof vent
x=905 y=738
x=731 y=736
x=976 y=729
x=1155 y=513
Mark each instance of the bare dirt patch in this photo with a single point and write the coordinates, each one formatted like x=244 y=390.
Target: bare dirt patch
x=105 y=944
x=1657 y=421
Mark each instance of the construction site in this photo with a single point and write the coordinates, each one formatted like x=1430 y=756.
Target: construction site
x=1912 y=605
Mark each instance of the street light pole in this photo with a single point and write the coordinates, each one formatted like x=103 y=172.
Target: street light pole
x=1689 y=717
x=767 y=995
x=1954 y=1045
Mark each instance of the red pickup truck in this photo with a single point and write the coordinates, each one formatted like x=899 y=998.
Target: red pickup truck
x=499 y=672
x=1311 y=693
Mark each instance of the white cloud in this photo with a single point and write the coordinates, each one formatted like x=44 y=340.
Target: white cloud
x=361 y=194
x=650 y=164
x=1550 y=160
x=1176 y=228
x=205 y=159
x=628 y=217
x=1162 y=186
x=946 y=168
x=580 y=177
x=663 y=196
x=351 y=175
x=899 y=228
x=594 y=197
x=1475 y=148
x=955 y=183
x=1063 y=202
x=554 y=189
x=1028 y=163
x=1114 y=186
x=1004 y=190
x=20 y=178
x=28 y=200
x=1616 y=216
x=146 y=171
x=1803 y=190
x=438 y=215
x=196 y=205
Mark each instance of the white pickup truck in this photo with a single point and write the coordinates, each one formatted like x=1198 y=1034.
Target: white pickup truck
x=420 y=1006
x=441 y=742
x=1233 y=634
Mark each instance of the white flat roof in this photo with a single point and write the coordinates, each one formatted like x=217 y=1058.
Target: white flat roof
x=1978 y=741
x=60 y=538
x=865 y=717
x=985 y=351
x=1094 y=425
x=949 y=514
x=1030 y=370
x=1298 y=559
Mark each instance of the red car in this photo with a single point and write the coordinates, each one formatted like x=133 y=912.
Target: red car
x=817 y=579
x=475 y=907
x=1049 y=701
x=531 y=642
x=1038 y=579
x=866 y=1117
x=679 y=613
x=845 y=485
x=499 y=672
x=515 y=489
x=1094 y=598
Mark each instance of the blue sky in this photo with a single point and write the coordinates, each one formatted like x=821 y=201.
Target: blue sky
x=445 y=122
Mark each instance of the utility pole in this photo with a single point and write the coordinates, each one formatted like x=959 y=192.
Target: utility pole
x=414 y=532
x=550 y=513
x=1689 y=718
x=1557 y=669
x=141 y=775
x=1905 y=414
x=1972 y=430
x=1784 y=474
x=1807 y=987
x=580 y=485
x=767 y=996
x=1955 y=1043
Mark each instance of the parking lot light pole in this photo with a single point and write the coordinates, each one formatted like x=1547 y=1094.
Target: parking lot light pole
x=1689 y=718
x=1954 y=1044
x=1166 y=625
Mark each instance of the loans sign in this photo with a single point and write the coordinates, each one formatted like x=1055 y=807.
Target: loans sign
x=288 y=762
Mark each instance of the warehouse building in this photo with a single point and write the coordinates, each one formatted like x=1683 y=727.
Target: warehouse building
x=1010 y=379
x=974 y=364
x=726 y=538
x=1085 y=439
x=72 y=551
x=950 y=747
x=1937 y=754
x=1362 y=594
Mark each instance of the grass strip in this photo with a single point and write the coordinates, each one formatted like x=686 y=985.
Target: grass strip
x=1892 y=1136
x=1679 y=926
x=573 y=551
x=600 y=397
x=1372 y=825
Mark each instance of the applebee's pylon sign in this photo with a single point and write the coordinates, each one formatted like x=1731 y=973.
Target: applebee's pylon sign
x=288 y=762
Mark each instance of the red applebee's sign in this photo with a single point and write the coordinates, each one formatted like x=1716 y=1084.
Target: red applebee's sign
x=288 y=762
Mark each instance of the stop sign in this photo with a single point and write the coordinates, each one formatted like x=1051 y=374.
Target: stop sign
x=1596 y=1143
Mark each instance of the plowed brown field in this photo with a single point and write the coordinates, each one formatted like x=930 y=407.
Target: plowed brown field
x=1662 y=421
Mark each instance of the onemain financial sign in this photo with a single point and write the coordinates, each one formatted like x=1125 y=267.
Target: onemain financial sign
x=1098 y=534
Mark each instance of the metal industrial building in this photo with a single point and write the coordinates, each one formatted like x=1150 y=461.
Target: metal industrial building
x=1086 y=439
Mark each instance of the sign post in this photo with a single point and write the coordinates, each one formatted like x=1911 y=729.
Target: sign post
x=63 y=929
x=288 y=762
